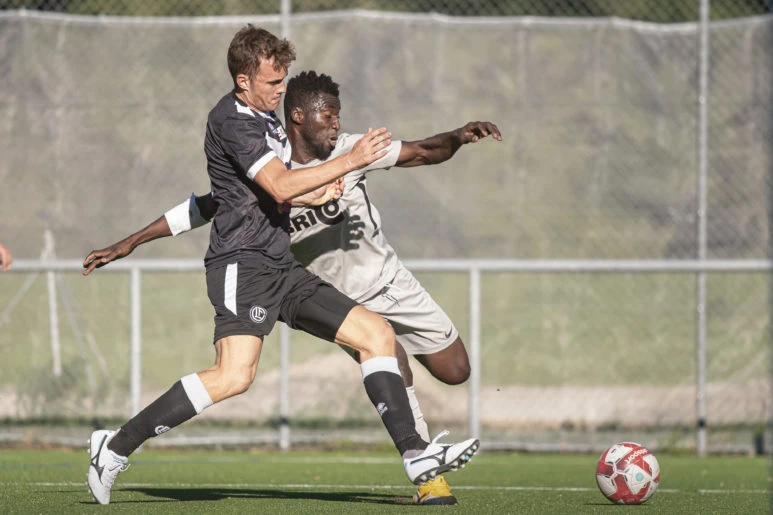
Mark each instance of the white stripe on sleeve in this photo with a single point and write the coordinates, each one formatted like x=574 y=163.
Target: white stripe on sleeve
x=259 y=164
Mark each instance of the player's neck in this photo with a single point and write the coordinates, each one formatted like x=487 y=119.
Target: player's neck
x=243 y=97
x=302 y=154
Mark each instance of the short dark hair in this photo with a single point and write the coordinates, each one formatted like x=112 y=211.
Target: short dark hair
x=251 y=45
x=304 y=88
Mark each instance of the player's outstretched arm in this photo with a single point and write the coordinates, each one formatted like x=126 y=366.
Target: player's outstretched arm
x=193 y=213
x=284 y=185
x=99 y=258
x=441 y=147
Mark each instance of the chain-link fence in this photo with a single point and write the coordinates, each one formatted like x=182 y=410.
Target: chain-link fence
x=599 y=105
x=658 y=11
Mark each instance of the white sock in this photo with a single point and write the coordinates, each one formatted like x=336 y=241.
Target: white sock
x=418 y=416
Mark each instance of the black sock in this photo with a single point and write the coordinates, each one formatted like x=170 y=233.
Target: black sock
x=170 y=410
x=387 y=393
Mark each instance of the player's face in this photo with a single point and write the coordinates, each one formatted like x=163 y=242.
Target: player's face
x=264 y=90
x=322 y=125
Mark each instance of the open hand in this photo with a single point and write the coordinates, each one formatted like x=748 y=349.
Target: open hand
x=324 y=194
x=99 y=258
x=472 y=132
x=372 y=146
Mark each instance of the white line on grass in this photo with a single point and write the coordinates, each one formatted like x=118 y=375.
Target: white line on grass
x=371 y=487
x=725 y=491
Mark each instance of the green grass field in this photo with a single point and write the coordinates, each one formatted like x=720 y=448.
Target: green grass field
x=352 y=482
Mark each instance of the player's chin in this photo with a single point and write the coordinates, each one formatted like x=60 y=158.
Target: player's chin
x=328 y=148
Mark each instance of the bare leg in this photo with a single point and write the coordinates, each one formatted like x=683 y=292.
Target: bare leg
x=405 y=367
x=235 y=367
x=450 y=365
x=367 y=334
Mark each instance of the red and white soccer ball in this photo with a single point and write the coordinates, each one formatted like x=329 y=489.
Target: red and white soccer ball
x=628 y=473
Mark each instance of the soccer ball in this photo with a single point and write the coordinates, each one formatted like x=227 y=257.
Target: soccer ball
x=627 y=473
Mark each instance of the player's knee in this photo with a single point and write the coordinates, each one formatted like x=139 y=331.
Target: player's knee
x=238 y=382
x=381 y=338
x=240 y=385
x=457 y=374
x=452 y=371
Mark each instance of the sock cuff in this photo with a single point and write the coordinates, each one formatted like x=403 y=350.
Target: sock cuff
x=196 y=392
x=380 y=364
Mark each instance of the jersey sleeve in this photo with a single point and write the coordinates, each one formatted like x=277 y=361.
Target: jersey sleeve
x=185 y=216
x=383 y=163
x=244 y=141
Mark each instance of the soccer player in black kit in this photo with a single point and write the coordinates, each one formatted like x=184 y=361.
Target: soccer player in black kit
x=253 y=280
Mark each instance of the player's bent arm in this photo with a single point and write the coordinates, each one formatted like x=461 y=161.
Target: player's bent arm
x=284 y=185
x=441 y=147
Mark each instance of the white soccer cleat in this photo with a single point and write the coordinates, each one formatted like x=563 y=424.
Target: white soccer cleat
x=104 y=465
x=438 y=458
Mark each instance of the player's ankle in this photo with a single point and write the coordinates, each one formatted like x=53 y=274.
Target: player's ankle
x=412 y=447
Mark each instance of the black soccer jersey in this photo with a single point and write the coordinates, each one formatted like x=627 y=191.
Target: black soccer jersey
x=249 y=223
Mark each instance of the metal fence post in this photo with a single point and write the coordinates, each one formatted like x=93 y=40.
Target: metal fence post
x=285 y=12
x=135 y=360
x=284 y=387
x=474 y=406
x=703 y=97
x=53 y=305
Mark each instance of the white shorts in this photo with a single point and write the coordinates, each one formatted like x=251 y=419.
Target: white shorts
x=421 y=326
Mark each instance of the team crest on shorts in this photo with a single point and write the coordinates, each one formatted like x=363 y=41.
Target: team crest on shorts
x=257 y=314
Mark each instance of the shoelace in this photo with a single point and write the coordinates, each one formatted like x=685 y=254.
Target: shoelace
x=113 y=473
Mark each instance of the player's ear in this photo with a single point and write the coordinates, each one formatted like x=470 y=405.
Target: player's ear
x=243 y=81
x=297 y=115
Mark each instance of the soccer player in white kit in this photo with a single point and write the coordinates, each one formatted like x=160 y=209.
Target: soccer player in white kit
x=336 y=233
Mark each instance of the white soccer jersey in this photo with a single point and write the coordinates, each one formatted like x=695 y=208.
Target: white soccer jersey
x=342 y=242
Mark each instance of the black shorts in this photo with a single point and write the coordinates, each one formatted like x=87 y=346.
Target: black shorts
x=249 y=297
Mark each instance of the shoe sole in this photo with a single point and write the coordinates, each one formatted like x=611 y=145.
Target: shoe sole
x=448 y=500
x=458 y=463
x=88 y=451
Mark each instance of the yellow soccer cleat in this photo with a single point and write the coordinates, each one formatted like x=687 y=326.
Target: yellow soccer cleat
x=434 y=492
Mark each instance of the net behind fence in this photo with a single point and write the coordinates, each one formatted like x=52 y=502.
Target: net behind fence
x=103 y=129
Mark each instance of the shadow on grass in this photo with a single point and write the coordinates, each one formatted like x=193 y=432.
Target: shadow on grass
x=217 y=494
